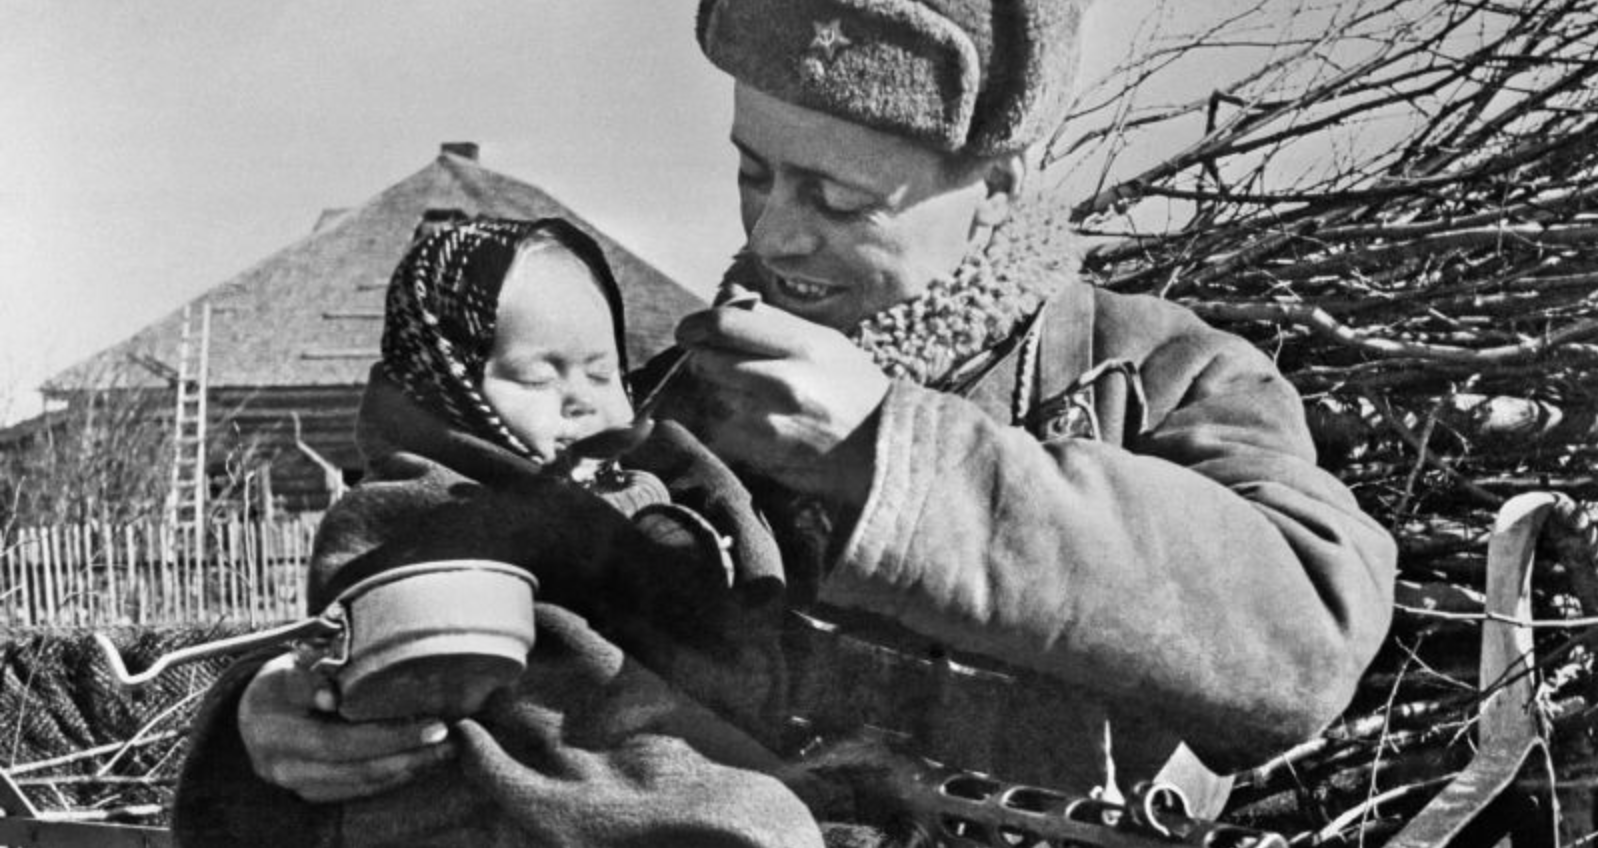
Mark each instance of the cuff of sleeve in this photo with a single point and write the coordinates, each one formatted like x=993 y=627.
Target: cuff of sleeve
x=907 y=461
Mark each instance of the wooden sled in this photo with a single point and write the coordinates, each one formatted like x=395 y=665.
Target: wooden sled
x=1503 y=797
x=1487 y=804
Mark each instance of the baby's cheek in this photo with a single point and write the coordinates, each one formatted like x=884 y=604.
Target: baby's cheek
x=532 y=415
x=617 y=410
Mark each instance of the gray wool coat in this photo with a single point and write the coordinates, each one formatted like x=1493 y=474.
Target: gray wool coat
x=1178 y=570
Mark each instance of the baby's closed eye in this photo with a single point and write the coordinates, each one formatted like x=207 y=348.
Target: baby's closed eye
x=534 y=373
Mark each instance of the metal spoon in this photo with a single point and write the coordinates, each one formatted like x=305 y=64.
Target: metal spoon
x=616 y=441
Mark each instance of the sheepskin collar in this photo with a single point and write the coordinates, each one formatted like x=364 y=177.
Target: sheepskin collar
x=929 y=339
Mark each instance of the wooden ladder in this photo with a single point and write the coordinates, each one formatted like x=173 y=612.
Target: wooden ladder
x=186 y=499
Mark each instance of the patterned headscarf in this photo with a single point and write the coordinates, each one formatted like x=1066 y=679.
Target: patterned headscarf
x=438 y=324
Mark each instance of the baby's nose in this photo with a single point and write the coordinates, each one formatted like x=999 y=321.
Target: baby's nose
x=578 y=404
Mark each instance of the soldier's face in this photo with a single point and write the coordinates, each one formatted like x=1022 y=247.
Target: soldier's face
x=845 y=220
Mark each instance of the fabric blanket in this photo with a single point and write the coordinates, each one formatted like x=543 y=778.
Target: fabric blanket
x=643 y=714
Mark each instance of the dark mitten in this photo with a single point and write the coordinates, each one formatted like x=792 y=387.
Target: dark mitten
x=701 y=482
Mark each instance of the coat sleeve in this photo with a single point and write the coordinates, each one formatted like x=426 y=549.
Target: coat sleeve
x=220 y=801
x=1207 y=570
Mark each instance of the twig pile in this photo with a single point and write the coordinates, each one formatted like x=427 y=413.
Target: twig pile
x=1400 y=206
x=78 y=743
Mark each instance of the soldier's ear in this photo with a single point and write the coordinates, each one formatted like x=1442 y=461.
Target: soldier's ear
x=1003 y=175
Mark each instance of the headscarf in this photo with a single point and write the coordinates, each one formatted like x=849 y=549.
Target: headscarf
x=440 y=315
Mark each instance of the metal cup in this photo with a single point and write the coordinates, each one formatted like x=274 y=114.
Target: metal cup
x=433 y=639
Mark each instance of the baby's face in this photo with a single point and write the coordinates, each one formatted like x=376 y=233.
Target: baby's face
x=554 y=375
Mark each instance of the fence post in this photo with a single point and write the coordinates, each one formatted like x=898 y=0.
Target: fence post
x=67 y=608
x=166 y=564
x=99 y=598
x=30 y=586
x=46 y=537
x=77 y=554
x=46 y=584
x=19 y=561
x=134 y=595
x=71 y=594
x=107 y=541
x=94 y=606
x=228 y=576
x=283 y=542
x=202 y=556
x=175 y=542
x=45 y=579
x=194 y=553
x=71 y=572
x=286 y=601
x=242 y=561
x=149 y=575
x=238 y=568
x=61 y=549
x=61 y=544
x=180 y=591
x=184 y=544
x=299 y=556
x=263 y=557
x=33 y=560
x=252 y=565
x=13 y=587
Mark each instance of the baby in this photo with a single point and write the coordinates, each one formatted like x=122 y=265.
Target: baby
x=511 y=331
x=503 y=345
x=503 y=330
x=655 y=671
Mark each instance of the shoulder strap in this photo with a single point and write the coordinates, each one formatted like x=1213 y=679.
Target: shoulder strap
x=1062 y=371
x=1063 y=352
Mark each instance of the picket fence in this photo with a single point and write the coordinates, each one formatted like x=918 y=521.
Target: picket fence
x=150 y=573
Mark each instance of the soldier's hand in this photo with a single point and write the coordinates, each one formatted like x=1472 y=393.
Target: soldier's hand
x=295 y=739
x=792 y=399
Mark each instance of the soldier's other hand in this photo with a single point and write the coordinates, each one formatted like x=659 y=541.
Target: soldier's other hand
x=296 y=740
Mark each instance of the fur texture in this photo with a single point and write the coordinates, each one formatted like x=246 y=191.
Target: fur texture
x=980 y=77
x=925 y=339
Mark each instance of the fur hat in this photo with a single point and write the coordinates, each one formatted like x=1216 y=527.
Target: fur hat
x=971 y=76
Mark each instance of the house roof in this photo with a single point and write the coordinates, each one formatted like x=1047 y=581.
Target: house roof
x=311 y=314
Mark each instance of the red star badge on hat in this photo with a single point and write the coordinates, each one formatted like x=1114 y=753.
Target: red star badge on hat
x=829 y=38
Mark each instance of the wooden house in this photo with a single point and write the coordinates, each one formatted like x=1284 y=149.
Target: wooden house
x=292 y=338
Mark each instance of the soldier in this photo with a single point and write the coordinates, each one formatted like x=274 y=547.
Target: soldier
x=1088 y=520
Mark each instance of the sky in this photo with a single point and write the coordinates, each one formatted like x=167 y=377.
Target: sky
x=156 y=148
